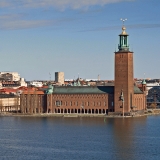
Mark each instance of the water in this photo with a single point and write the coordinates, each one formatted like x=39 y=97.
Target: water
x=40 y=138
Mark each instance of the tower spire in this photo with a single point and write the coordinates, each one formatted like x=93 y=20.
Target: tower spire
x=124 y=81
x=143 y=81
x=123 y=41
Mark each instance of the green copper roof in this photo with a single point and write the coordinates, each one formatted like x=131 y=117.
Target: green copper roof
x=144 y=82
x=123 y=40
x=88 y=89
x=49 y=89
x=137 y=90
x=83 y=89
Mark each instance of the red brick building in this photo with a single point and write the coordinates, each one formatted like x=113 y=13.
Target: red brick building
x=33 y=101
x=83 y=99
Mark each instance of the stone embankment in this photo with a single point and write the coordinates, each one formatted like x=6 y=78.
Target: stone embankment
x=152 y=111
x=146 y=113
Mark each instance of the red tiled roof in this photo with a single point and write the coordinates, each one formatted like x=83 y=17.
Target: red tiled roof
x=33 y=92
x=26 y=90
x=8 y=90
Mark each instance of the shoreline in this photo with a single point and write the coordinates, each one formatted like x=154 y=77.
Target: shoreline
x=73 y=115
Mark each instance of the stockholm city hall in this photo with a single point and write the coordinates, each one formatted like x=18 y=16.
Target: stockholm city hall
x=122 y=99
x=125 y=96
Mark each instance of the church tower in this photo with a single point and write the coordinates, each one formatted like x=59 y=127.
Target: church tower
x=124 y=84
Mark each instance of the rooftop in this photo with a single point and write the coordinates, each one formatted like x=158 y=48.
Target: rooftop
x=83 y=89
x=88 y=89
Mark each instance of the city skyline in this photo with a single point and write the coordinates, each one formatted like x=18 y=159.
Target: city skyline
x=77 y=38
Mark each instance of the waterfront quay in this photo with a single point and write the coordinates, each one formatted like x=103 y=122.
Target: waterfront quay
x=147 y=112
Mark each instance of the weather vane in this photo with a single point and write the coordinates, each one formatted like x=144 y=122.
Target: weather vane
x=123 y=20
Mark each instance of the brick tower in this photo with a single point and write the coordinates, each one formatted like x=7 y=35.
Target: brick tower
x=124 y=87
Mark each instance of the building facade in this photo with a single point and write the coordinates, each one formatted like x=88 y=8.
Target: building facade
x=9 y=103
x=59 y=77
x=10 y=76
x=87 y=100
x=125 y=97
x=33 y=102
x=123 y=75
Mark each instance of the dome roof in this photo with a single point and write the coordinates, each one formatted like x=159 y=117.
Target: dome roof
x=123 y=31
x=144 y=82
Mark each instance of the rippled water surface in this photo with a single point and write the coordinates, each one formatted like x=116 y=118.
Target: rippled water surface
x=40 y=138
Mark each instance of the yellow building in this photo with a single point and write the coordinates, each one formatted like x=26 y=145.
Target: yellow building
x=9 y=103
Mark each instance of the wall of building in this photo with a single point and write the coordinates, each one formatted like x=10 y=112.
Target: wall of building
x=123 y=80
x=11 y=76
x=59 y=77
x=78 y=103
x=32 y=103
x=139 y=102
x=75 y=103
x=111 y=103
x=10 y=104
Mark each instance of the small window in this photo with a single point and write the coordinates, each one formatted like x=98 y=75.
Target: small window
x=58 y=103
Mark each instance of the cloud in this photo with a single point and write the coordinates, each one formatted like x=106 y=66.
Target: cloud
x=6 y=17
x=20 y=17
x=61 y=4
x=4 y=3
x=19 y=21
x=24 y=24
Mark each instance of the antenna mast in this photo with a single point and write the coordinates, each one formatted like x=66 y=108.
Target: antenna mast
x=50 y=76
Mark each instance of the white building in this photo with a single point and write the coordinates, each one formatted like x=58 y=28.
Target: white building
x=36 y=84
x=22 y=82
x=11 y=80
x=9 y=103
x=10 y=76
x=151 y=85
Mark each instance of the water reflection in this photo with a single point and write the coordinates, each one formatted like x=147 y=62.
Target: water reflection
x=79 y=138
x=124 y=134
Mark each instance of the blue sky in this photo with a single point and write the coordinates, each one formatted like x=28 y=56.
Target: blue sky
x=38 y=37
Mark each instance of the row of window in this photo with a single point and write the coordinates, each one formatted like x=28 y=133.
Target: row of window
x=138 y=99
x=79 y=95
x=100 y=97
x=81 y=104
x=31 y=95
x=32 y=99
x=25 y=103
